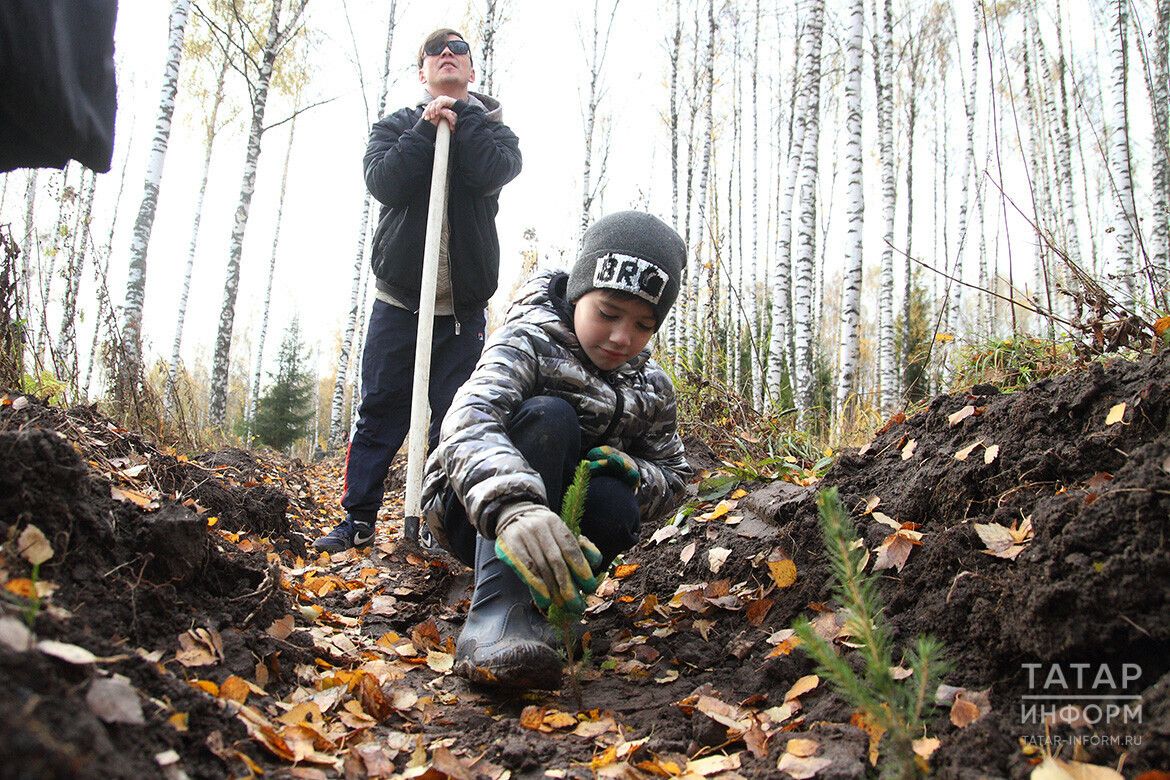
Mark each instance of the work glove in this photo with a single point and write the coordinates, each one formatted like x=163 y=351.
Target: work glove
x=613 y=463
x=536 y=544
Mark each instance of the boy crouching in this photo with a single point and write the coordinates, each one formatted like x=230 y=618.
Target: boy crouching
x=567 y=377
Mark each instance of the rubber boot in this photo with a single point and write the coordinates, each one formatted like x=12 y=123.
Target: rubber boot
x=505 y=639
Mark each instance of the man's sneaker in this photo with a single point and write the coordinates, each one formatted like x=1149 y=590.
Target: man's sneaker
x=348 y=533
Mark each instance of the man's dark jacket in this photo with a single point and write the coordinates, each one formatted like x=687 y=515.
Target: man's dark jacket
x=485 y=155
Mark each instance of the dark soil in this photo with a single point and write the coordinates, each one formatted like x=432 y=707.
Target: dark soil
x=1092 y=587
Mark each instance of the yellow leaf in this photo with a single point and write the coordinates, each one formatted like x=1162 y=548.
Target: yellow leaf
x=783 y=572
x=625 y=570
x=206 y=685
x=560 y=720
x=179 y=720
x=33 y=545
x=1161 y=326
x=738 y=493
x=722 y=508
x=1115 y=414
x=234 y=689
x=800 y=768
x=802 y=686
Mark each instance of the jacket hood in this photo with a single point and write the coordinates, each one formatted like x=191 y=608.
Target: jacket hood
x=492 y=107
x=541 y=302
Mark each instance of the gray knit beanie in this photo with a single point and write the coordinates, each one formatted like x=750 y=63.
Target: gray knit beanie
x=634 y=253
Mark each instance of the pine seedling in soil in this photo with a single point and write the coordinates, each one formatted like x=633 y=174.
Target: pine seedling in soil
x=572 y=509
x=894 y=706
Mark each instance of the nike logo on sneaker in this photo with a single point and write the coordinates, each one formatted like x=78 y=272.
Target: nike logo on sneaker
x=362 y=537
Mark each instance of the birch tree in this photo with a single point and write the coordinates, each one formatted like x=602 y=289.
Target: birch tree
x=884 y=78
x=704 y=271
x=140 y=243
x=1124 y=209
x=1159 y=89
x=260 y=76
x=211 y=128
x=674 y=47
x=337 y=427
x=495 y=13
x=67 y=341
x=850 y=349
x=780 y=357
x=755 y=376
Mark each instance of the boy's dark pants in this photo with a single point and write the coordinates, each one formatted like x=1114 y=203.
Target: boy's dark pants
x=387 y=385
x=547 y=433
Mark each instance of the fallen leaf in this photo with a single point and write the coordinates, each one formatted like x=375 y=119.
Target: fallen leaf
x=991 y=453
x=961 y=415
x=532 y=717
x=908 y=450
x=893 y=552
x=687 y=553
x=373 y=700
x=802 y=748
x=670 y=676
x=282 y=627
x=234 y=689
x=33 y=545
x=874 y=730
x=757 y=610
x=716 y=557
x=625 y=570
x=871 y=504
x=711 y=765
x=66 y=652
x=664 y=533
x=802 y=768
x=723 y=713
x=1003 y=542
x=440 y=662
x=141 y=500
x=198 y=647
x=1053 y=768
x=802 y=686
x=925 y=746
x=722 y=508
x=1116 y=414
x=114 y=700
x=591 y=729
x=885 y=519
x=179 y=721
x=963 y=453
x=964 y=713
x=783 y=571
x=703 y=627
x=14 y=635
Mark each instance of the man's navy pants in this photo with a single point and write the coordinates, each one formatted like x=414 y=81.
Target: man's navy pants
x=387 y=384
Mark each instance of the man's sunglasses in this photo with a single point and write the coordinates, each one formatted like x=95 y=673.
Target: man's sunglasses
x=457 y=47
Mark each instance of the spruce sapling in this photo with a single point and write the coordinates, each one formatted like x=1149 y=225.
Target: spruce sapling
x=892 y=705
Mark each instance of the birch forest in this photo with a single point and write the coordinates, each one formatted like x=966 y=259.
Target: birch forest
x=877 y=195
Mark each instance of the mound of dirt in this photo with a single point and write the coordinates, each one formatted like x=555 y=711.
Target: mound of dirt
x=1090 y=589
x=128 y=576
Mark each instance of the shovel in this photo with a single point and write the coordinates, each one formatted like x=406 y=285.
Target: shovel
x=417 y=453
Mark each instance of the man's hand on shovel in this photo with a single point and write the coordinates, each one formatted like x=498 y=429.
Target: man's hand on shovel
x=440 y=108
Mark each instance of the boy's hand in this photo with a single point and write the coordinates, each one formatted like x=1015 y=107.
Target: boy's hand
x=614 y=463
x=540 y=548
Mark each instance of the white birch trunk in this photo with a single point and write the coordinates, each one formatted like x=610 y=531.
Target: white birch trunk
x=704 y=318
x=888 y=364
x=67 y=341
x=674 y=46
x=756 y=378
x=255 y=393
x=850 y=349
x=1124 y=210
x=954 y=289
x=804 y=261
x=217 y=406
x=140 y=243
x=337 y=428
x=169 y=397
x=780 y=354
x=1160 y=196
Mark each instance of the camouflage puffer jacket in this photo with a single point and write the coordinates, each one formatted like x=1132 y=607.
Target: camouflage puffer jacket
x=535 y=352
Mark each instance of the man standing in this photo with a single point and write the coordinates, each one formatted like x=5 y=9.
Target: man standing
x=484 y=156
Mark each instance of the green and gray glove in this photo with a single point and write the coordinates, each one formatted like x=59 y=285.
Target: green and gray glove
x=555 y=565
x=613 y=463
